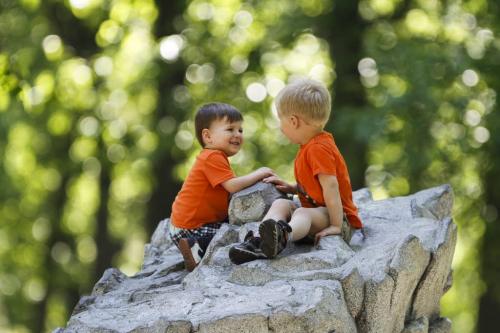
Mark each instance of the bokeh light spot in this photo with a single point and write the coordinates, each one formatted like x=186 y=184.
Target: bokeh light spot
x=243 y=19
x=170 y=47
x=41 y=229
x=481 y=134
x=52 y=46
x=79 y=4
x=103 y=66
x=89 y=126
x=238 y=64
x=274 y=86
x=61 y=253
x=35 y=290
x=256 y=92
x=367 y=67
x=472 y=117
x=470 y=78
x=82 y=75
x=184 y=139
x=116 y=153
x=86 y=249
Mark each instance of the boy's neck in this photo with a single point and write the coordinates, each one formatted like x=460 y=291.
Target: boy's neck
x=212 y=148
x=309 y=134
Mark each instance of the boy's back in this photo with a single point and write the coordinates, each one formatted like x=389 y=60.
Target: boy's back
x=323 y=185
x=321 y=156
x=201 y=200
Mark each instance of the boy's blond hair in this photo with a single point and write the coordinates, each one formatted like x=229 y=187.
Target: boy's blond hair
x=307 y=98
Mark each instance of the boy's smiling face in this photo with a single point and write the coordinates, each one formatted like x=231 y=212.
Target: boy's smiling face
x=224 y=135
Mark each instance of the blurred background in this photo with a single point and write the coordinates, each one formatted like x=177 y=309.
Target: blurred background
x=96 y=133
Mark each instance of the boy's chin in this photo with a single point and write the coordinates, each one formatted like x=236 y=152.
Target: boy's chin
x=232 y=152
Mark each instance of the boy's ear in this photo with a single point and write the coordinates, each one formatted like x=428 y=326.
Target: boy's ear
x=205 y=135
x=294 y=121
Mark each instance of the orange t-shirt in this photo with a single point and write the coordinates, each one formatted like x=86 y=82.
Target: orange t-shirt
x=202 y=199
x=321 y=155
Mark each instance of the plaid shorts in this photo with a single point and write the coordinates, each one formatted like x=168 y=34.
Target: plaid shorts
x=206 y=232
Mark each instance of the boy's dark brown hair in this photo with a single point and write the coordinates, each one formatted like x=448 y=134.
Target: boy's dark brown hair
x=211 y=112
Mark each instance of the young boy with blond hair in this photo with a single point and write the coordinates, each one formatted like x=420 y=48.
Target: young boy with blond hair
x=323 y=185
x=201 y=206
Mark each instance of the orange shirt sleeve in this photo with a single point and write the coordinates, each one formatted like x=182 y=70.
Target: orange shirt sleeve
x=217 y=169
x=321 y=160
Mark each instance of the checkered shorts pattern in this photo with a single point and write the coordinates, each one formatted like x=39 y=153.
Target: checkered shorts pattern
x=206 y=232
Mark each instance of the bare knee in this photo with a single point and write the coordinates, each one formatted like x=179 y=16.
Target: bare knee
x=300 y=223
x=281 y=203
x=281 y=209
x=301 y=211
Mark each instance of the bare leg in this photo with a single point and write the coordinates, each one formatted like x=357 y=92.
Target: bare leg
x=281 y=209
x=308 y=221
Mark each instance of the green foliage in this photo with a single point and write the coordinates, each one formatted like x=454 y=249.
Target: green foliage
x=96 y=130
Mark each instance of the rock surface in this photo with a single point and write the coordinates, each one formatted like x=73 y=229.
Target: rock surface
x=252 y=203
x=390 y=281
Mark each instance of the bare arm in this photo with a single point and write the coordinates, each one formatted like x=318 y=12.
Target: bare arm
x=281 y=184
x=238 y=183
x=331 y=193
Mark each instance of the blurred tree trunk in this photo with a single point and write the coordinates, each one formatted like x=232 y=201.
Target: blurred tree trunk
x=344 y=29
x=106 y=245
x=489 y=307
x=50 y=267
x=58 y=281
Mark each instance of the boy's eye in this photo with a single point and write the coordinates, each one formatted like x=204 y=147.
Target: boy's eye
x=240 y=130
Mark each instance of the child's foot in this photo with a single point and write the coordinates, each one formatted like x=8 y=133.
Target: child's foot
x=274 y=237
x=247 y=251
x=191 y=252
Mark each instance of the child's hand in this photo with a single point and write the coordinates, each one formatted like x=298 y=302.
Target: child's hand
x=265 y=172
x=330 y=230
x=280 y=184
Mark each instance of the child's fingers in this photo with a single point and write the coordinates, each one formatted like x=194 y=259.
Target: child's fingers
x=282 y=188
x=317 y=237
x=273 y=179
x=269 y=179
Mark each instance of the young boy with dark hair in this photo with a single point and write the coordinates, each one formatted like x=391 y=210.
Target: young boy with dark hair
x=201 y=205
x=323 y=185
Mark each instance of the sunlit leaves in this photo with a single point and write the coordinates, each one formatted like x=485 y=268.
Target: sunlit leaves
x=85 y=8
x=86 y=249
x=109 y=32
x=314 y=7
x=75 y=84
x=53 y=47
x=83 y=200
x=372 y=9
x=421 y=24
